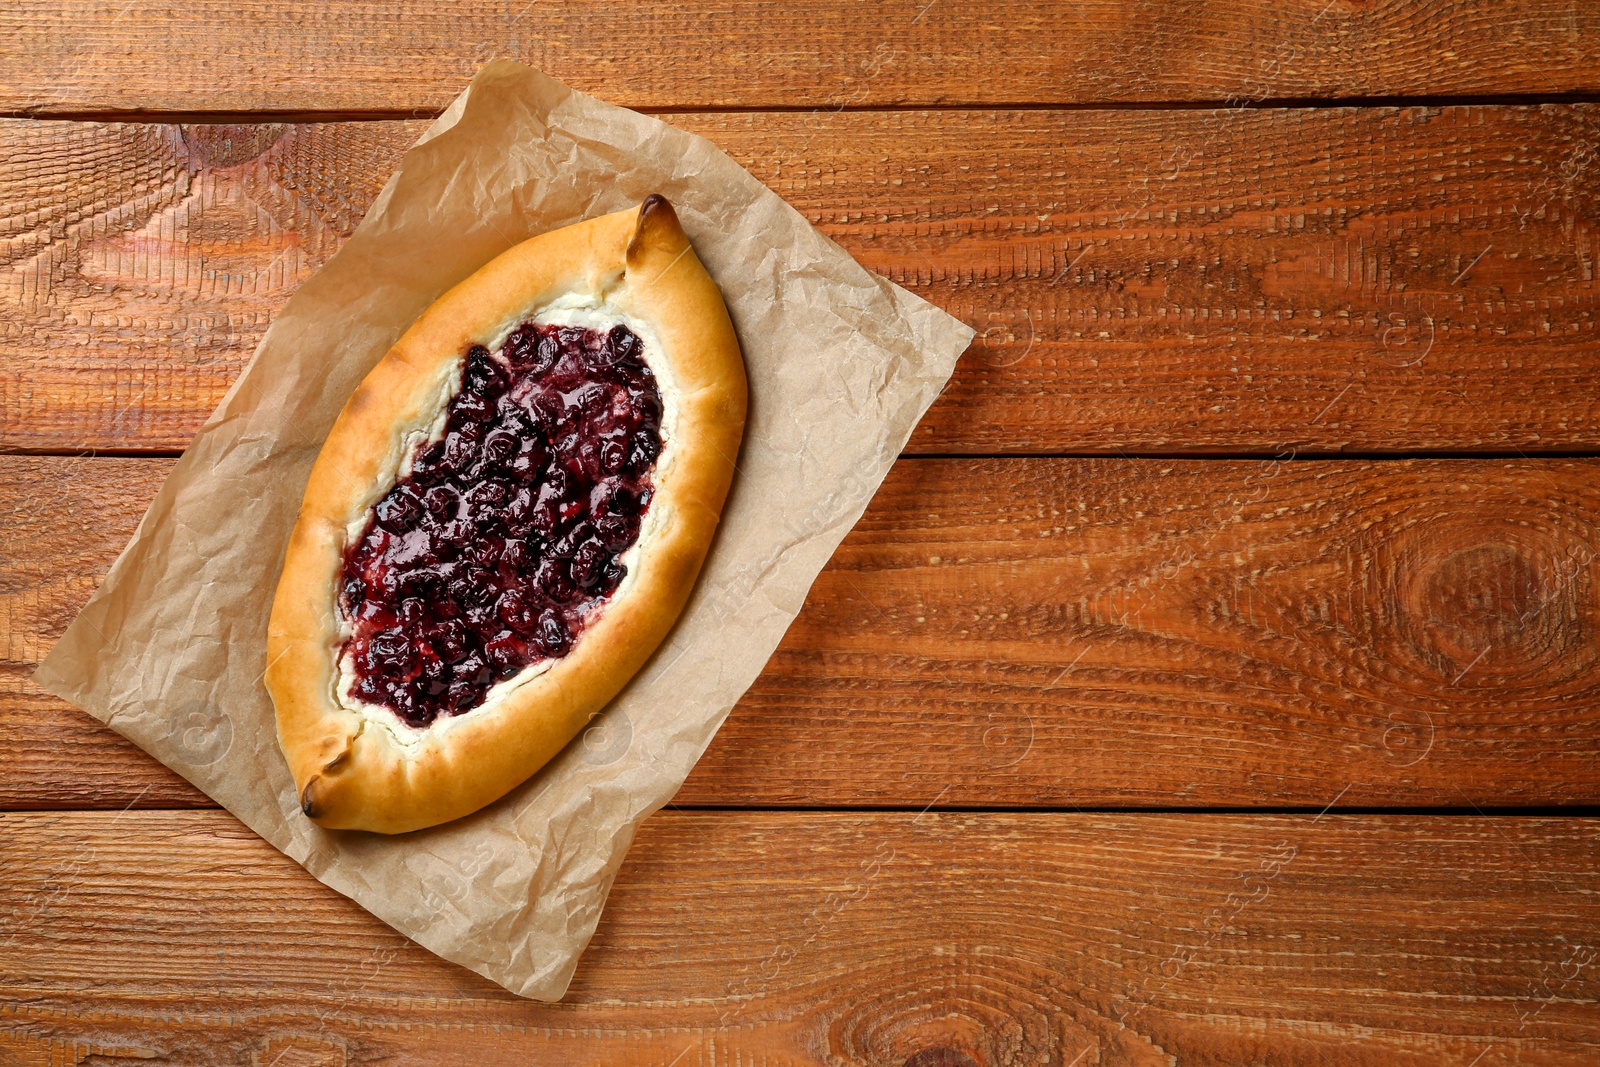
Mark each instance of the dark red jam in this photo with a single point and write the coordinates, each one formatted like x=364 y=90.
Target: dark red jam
x=503 y=541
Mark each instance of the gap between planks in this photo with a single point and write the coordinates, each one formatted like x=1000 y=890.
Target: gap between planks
x=1468 y=811
x=263 y=115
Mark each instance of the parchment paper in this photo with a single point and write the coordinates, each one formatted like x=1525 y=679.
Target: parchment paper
x=842 y=364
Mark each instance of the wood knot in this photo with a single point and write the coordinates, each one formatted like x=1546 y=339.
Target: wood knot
x=220 y=146
x=940 y=1056
x=1477 y=598
x=960 y=1007
x=1493 y=612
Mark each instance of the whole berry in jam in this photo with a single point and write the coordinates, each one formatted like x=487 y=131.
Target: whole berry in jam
x=504 y=539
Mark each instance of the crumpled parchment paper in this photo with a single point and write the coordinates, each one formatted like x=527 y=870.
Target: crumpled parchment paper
x=842 y=364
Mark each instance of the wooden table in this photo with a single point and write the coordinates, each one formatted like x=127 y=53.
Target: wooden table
x=1213 y=682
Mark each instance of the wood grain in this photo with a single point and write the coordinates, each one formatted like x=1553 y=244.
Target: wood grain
x=1067 y=632
x=81 y=513
x=811 y=938
x=1370 y=279
x=84 y=55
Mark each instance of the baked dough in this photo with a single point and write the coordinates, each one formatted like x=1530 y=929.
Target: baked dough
x=359 y=766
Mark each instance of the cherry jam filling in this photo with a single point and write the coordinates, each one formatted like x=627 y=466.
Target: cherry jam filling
x=499 y=546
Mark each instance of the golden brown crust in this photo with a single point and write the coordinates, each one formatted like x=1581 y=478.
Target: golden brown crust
x=359 y=767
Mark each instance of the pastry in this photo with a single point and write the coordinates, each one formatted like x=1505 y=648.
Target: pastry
x=504 y=522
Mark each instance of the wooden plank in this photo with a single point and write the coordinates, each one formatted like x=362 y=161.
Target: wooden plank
x=810 y=938
x=1067 y=632
x=79 y=513
x=87 y=55
x=59 y=757
x=1265 y=280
